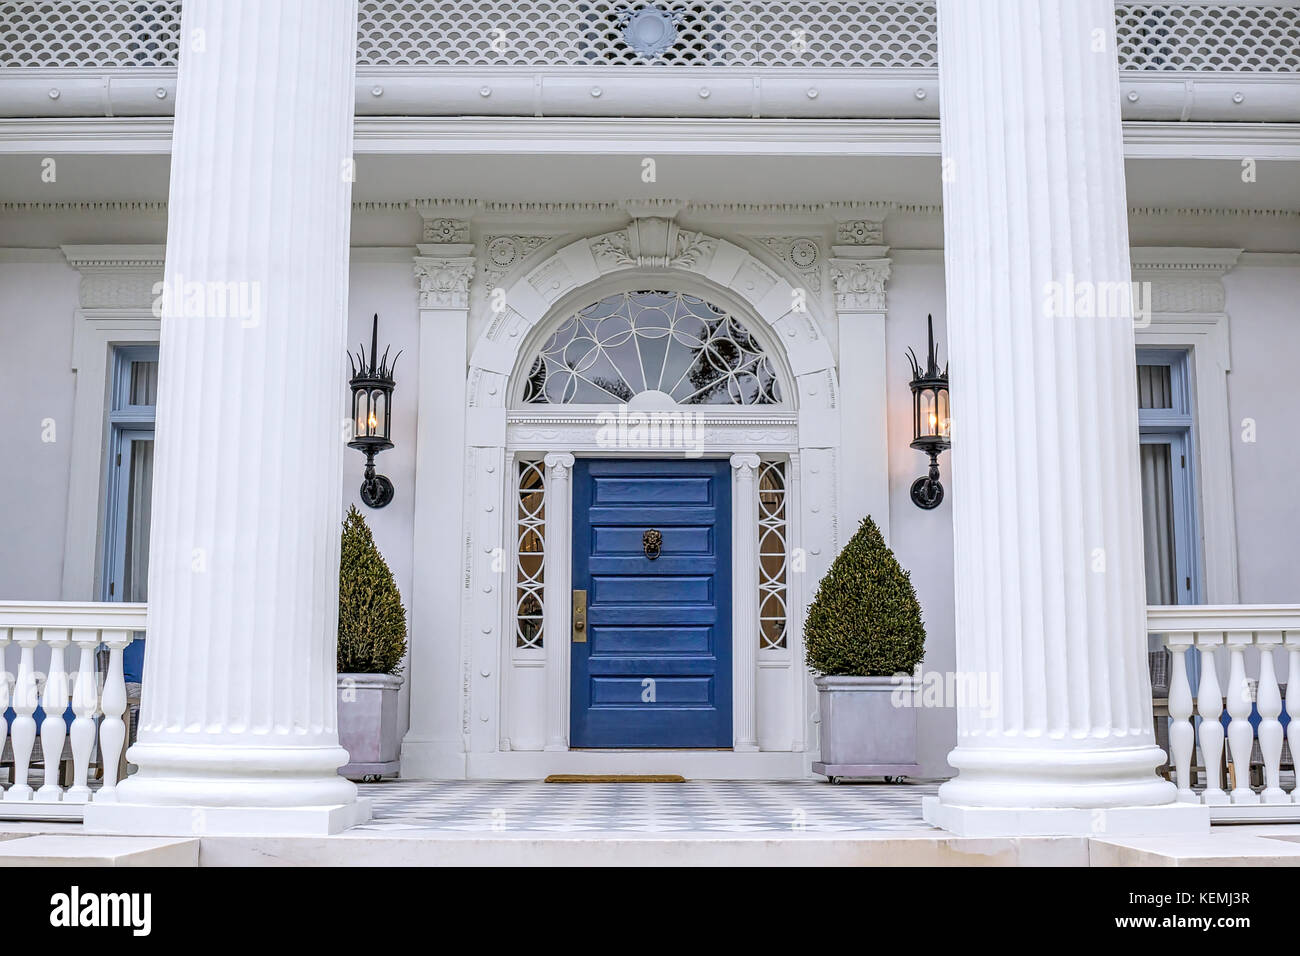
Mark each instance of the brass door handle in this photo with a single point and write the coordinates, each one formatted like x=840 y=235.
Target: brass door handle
x=579 y=617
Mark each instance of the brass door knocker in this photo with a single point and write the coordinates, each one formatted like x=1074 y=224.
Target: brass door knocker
x=651 y=542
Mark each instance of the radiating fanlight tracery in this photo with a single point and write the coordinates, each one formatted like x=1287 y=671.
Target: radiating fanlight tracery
x=668 y=342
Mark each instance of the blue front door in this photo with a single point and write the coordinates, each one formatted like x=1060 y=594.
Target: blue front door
x=655 y=669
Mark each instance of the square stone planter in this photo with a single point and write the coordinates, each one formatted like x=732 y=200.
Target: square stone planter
x=368 y=725
x=864 y=733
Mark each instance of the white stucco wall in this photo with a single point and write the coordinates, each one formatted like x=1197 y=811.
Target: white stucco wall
x=382 y=281
x=1263 y=302
x=37 y=300
x=922 y=540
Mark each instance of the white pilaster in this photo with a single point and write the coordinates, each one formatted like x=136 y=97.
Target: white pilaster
x=434 y=745
x=1046 y=509
x=744 y=601
x=239 y=723
x=860 y=271
x=558 y=579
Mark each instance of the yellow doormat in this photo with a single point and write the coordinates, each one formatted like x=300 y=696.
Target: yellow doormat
x=615 y=778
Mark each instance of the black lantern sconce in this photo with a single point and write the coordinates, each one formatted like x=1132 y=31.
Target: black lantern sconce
x=372 y=408
x=931 y=421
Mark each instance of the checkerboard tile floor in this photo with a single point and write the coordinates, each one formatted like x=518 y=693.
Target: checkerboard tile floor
x=694 y=806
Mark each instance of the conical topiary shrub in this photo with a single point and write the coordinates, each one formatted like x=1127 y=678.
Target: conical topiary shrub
x=865 y=620
x=372 y=621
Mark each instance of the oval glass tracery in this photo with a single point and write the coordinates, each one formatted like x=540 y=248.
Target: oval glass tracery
x=669 y=342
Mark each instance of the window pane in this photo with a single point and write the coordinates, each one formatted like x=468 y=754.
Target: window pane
x=1158 y=523
x=1155 y=389
x=530 y=560
x=139 y=496
x=144 y=384
x=771 y=555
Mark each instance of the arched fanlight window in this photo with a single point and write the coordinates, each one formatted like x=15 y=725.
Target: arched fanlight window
x=668 y=342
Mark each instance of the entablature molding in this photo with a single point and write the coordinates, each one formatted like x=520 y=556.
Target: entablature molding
x=117 y=276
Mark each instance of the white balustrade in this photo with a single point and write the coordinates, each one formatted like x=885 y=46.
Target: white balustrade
x=68 y=631
x=1252 y=637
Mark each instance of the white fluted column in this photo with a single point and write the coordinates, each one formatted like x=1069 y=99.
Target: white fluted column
x=239 y=703
x=1050 y=608
x=557 y=580
x=744 y=601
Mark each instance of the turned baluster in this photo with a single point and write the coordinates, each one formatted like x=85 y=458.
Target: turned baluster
x=85 y=701
x=1241 y=736
x=1292 y=642
x=4 y=689
x=1209 y=704
x=23 y=732
x=1182 y=735
x=112 y=731
x=1269 y=704
x=54 y=701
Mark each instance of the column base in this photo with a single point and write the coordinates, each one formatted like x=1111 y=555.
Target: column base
x=141 y=819
x=1166 y=820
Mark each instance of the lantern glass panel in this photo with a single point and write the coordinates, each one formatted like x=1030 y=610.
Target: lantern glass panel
x=379 y=413
x=360 y=412
x=945 y=416
x=929 y=419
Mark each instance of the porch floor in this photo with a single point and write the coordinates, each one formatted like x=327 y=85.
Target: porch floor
x=706 y=806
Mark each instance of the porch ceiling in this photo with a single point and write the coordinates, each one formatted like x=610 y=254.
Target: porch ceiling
x=596 y=172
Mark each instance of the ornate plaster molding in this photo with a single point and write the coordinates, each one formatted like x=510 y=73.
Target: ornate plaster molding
x=445 y=231
x=444 y=283
x=1183 y=278
x=117 y=276
x=652 y=242
x=802 y=254
x=502 y=253
x=860 y=232
x=860 y=284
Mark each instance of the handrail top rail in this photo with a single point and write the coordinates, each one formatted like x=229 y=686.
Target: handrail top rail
x=96 y=615
x=1205 y=618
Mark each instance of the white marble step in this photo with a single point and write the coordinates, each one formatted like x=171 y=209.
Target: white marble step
x=69 y=849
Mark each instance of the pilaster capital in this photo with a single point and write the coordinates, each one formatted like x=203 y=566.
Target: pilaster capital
x=860 y=284
x=745 y=466
x=558 y=464
x=444 y=282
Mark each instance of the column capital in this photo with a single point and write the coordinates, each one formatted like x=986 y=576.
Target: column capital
x=860 y=283
x=444 y=281
x=744 y=465
x=558 y=463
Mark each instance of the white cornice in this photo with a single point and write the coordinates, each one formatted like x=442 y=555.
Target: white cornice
x=113 y=255
x=641 y=136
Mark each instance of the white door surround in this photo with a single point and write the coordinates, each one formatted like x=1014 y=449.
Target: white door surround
x=515 y=700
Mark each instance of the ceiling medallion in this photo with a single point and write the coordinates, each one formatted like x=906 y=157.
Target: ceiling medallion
x=651 y=31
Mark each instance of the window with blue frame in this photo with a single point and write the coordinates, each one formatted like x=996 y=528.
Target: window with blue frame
x=1171 y=538
x=132 y=408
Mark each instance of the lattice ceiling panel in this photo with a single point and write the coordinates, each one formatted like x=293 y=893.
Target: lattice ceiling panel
x=1208 y=37
x=104 y=33
x=576 y=33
